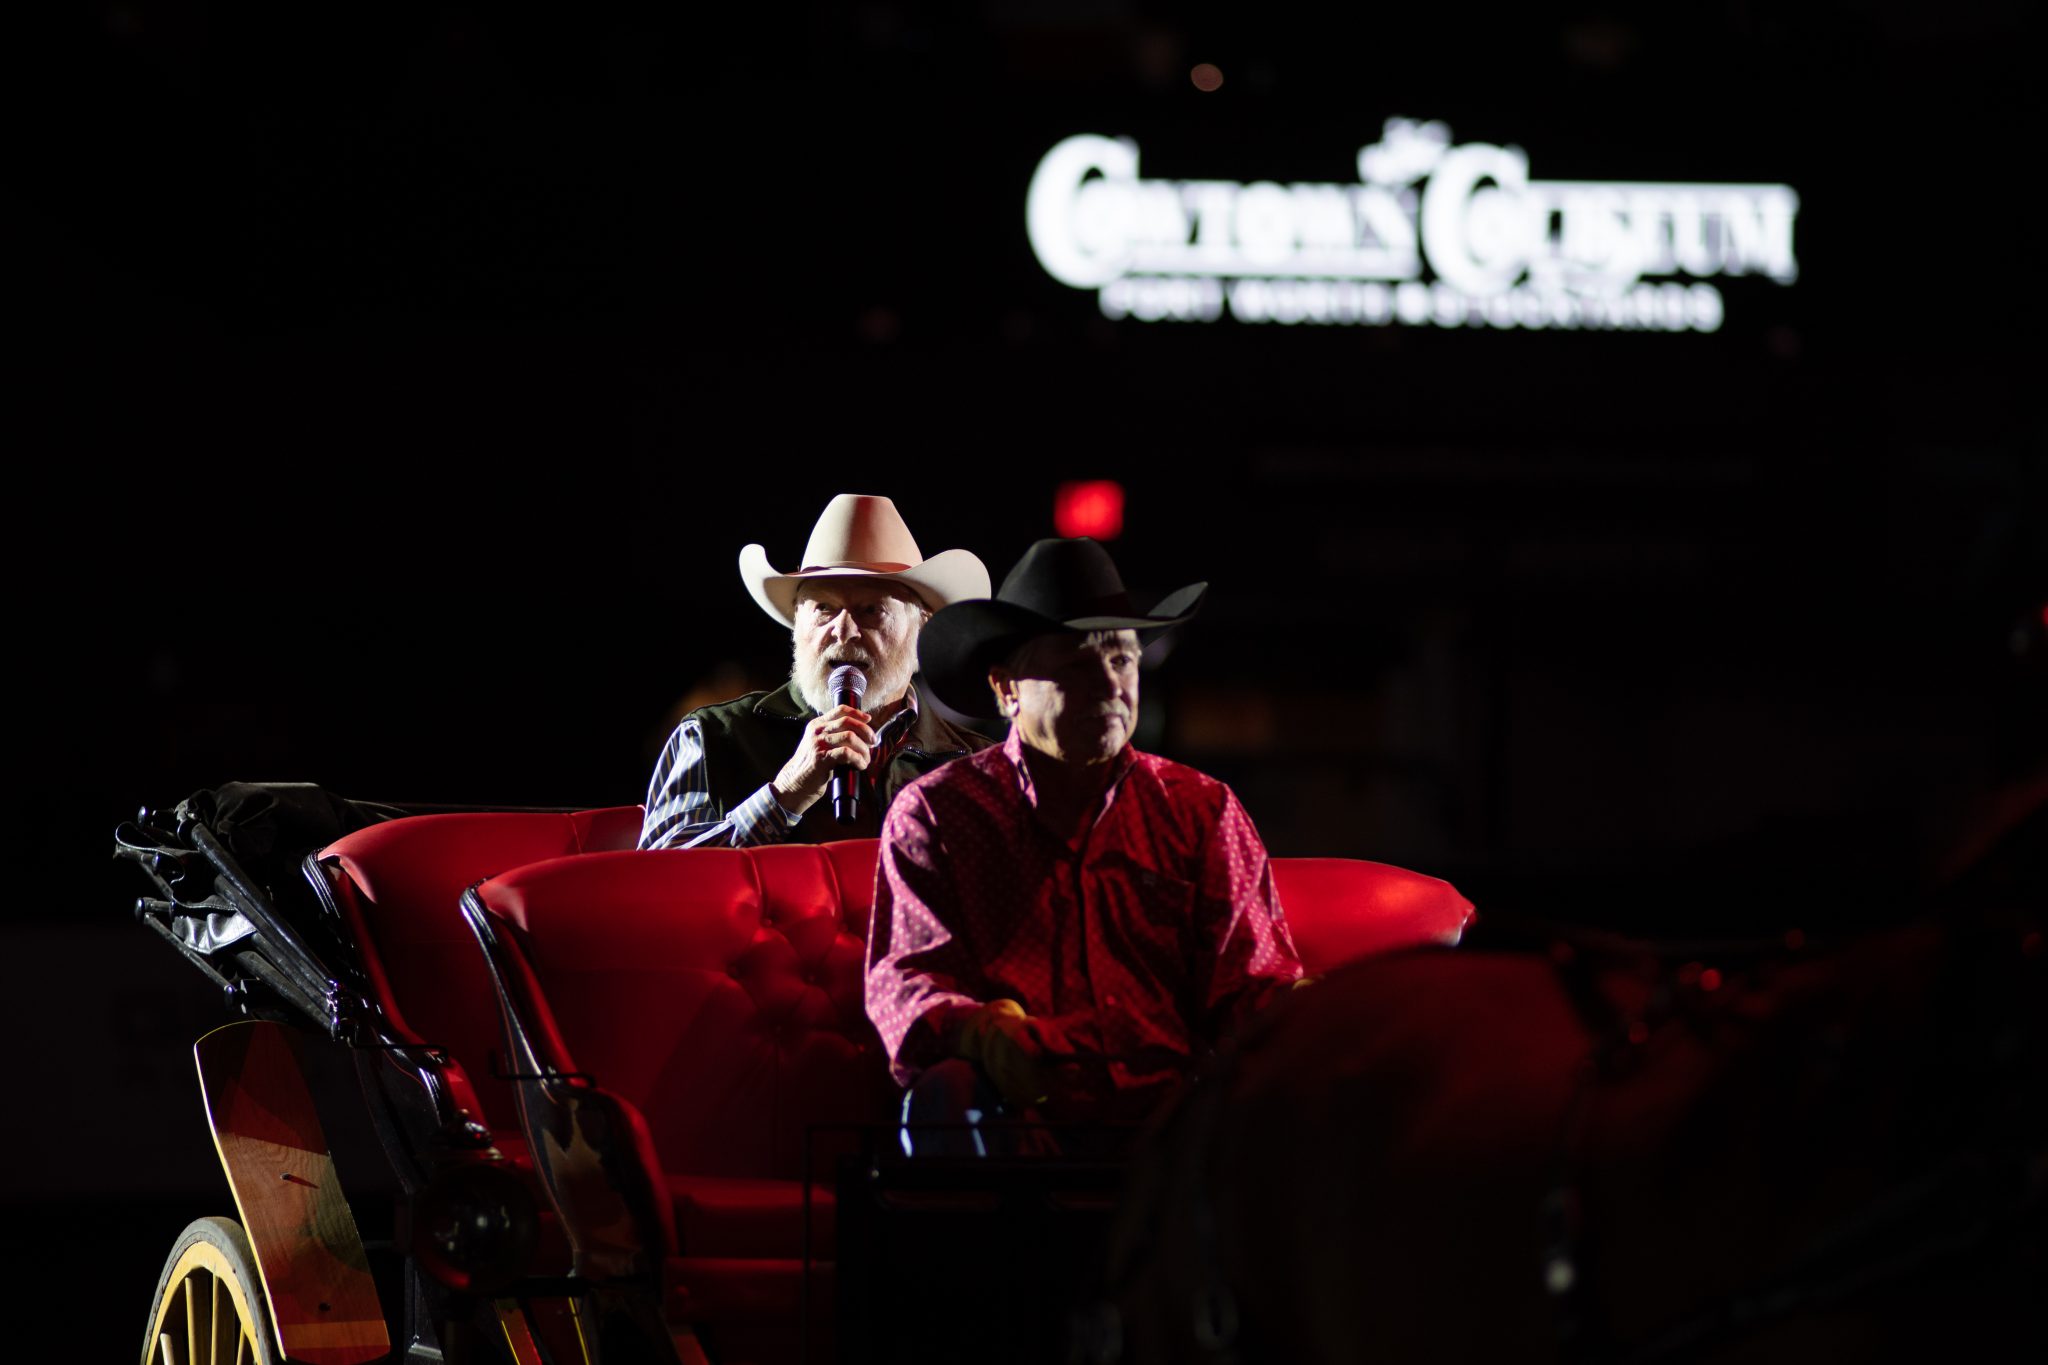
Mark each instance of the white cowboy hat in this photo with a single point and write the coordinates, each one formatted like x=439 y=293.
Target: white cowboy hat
x=862 y=536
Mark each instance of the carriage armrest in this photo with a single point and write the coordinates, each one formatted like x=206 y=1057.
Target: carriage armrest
x=1343 y=909
x=591 y=1149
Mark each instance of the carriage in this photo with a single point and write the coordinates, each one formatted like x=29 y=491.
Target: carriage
x=496 y=1087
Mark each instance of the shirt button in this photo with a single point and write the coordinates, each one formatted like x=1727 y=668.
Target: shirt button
x=1109 y=1000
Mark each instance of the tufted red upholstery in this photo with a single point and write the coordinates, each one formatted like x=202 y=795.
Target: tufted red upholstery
x=1342 y=909
x=397 y=885
x=719 y=990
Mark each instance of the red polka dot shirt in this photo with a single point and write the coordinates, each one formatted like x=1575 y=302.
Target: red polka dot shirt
x=1145 y=944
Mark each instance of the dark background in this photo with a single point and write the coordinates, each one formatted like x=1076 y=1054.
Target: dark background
x=404 y=382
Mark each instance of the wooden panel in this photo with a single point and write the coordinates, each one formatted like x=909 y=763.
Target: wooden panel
x=316 y=1276
x=518 y=1336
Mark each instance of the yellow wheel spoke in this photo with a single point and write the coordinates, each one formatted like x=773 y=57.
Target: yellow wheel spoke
x=211 y=1282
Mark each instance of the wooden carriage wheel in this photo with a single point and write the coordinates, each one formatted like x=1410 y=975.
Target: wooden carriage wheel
x=209 y=1307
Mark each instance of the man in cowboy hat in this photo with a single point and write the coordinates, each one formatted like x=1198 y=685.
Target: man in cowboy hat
x=1062 y=919
x=753 y=770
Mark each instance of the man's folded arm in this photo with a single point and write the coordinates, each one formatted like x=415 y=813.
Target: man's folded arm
x=913 y=959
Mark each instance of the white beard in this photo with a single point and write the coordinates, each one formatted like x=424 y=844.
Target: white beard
x=887 y=679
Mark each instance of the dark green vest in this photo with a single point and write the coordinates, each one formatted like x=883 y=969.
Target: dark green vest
x=748 y=739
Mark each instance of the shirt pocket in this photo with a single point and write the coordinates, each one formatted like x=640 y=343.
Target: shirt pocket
x=1153 y=904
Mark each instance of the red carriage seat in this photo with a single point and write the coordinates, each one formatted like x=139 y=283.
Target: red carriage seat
x=719 y=993
x=1342 y=909
x=720 y=990
x=397 y=887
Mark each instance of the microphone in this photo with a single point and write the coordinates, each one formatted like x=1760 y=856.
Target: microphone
x=847 y=686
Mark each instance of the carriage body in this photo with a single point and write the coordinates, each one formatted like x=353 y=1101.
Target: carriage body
x=361 y=1032
x=611 y=1094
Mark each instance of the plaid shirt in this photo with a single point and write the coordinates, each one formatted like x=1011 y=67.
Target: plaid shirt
x=682 y=814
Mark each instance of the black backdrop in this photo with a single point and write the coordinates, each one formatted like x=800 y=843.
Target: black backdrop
x=403 y=385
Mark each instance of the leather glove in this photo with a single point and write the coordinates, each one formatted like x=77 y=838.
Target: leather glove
x=999 y=1038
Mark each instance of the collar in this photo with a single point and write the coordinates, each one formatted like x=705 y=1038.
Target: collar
x=1120 y=768
x=784 y=703
x=900 y=724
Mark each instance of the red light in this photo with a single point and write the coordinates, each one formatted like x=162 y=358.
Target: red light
x=1710 y=980
x=1093 y=508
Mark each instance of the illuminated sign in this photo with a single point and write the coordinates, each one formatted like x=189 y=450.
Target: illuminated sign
x=1430 y=235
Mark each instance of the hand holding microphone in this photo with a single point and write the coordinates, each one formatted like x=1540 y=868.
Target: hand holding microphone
x=833 y=746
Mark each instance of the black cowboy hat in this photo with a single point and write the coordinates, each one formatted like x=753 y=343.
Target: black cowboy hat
x=1059 y=585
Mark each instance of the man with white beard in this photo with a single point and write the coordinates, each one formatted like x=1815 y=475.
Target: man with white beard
x=754 y=770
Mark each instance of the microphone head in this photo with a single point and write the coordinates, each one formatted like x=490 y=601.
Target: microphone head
x=847 y=685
